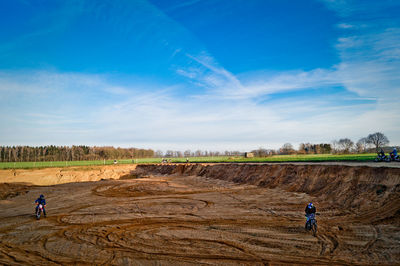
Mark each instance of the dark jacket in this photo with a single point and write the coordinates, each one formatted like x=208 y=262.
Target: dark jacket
x=41 y=201
x=310 y=210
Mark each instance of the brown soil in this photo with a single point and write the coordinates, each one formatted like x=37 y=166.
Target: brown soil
x=201 y=214
x=55 y=176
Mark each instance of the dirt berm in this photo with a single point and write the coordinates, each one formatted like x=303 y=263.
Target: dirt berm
x=57 y=175
x=353 y=188
x=193 y=214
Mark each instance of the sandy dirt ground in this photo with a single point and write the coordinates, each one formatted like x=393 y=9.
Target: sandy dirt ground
x=184 y=220
x=56 y=175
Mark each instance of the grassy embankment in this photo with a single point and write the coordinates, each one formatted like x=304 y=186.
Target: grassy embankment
x=219 y=159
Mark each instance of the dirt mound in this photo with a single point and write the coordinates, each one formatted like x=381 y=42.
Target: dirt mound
x=12 y=190
x=53 y=176
x=355 y=188
x=224 y=214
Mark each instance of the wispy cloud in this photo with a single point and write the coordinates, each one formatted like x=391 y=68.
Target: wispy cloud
x=345 y=26
x=218 y=81
x=369 y=67
x=205 y=72
x=369 y=9
x=231 y=111
x=152 y=116
x=370 y=58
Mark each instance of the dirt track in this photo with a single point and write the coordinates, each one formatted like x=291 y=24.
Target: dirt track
x=177 y=214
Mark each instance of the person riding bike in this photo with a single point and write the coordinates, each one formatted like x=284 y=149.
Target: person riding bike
x=41 y=200
x=310 y=209
x=381 y=153
x=394 y=153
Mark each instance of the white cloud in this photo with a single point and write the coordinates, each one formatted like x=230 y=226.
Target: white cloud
x=369 y=67
x=205 y=72
x=71 y=108
x=289 y=81
x=370 y=62
x=368 y=9
x=151 y=118
x=345 y=26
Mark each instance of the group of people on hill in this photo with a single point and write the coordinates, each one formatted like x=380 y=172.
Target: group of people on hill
x=393 y=154
x=382 y=152
x=169 y=160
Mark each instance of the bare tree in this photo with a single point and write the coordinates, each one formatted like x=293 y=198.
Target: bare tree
x=159 y=154
x=345 y=145
x=335 y=146
x=378 y=139
x=187 y=153
x=260 y=152
x=362 y=145
x=169 y=153
x=287 y=148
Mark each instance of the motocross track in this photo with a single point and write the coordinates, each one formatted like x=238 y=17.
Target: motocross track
x=248 y=214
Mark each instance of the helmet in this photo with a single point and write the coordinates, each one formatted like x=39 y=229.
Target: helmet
x=41 y=196
x=310 y=205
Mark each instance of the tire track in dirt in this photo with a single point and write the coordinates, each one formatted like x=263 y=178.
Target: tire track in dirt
x=111 y=239
x=198 y=220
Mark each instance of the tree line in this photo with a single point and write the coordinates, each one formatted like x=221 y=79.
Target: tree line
x=67 y=153
x=288 y=149
x=371 y=143
x=197 y=153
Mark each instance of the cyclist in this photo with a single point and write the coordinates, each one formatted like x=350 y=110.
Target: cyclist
x=310 y=209
x=41 y=200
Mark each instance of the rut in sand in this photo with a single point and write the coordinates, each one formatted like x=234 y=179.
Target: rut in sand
x=194 y=214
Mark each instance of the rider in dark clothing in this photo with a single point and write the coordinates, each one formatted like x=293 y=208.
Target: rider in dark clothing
x=310 y=209
x=42 y=201
x=393 y=154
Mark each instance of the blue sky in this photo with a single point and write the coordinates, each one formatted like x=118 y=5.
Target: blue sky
x=198 y=74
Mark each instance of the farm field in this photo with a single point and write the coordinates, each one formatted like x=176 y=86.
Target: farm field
x=220 y=159
x=191 y=214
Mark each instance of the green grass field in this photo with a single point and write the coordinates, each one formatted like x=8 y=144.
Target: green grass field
x=219 y=159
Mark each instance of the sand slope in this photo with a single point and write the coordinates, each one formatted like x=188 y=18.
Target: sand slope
x=204 y=214
x=54 y=176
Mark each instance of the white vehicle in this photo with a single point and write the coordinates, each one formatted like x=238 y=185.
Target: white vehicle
x=39 y=210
